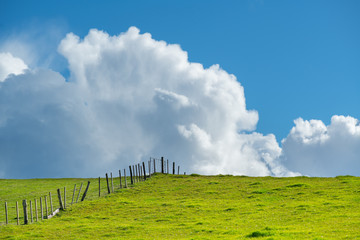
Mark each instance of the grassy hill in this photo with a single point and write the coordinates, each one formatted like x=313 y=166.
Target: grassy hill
x=199 y=207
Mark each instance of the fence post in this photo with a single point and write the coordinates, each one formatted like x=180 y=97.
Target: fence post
x=25 y=212
x=131 y=178
x=154 y=166
x=79 y=193
x=112 y=184
x=64 y=197
x=36 y=211
x=178 y=170
x=125 y=178
x=167 y=163
x=173 y=168
x=73 y=196
x=107 y=182
x=46 y=206
x=31 y=212
x=162 y=164
x=99 y=187
x=17 y=212
x=149 y=163
x=87 y=188
x=6 y=213
x=144 y=171
x=136 y=174
x=120 y=178
x=42 y=210
x=51 y=205
x=60 y=199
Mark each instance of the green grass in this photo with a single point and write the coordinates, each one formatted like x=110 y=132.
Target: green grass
x=202 y=207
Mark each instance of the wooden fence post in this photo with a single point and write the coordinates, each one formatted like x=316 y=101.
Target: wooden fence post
x=99 y=187
x=125 y=178
x=73 y=196
x=136 y=174
x=17 y=213
x=6 y=213
x=25 y=212
x=154 y=166
x=120 y=178
x=149 y=163
x=79 y=193
x=64 y=197
x=167 y=164
x=144 y=171
x=42 y=210
x=178 y=170
x=51 y=204
x=60 y=199
x=36 y=211
x=46 y=206
x=31 y=212
x=107 y=182
x=87 y=188
x=112 y=183
x=173 y=168
x=162 y=164
x=131 y=178
x=133 y=171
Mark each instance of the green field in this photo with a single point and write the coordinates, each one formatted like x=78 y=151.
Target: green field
x=197 y=207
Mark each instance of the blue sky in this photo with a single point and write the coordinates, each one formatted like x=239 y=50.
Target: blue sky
x=293 y=58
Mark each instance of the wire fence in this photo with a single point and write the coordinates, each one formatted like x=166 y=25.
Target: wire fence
x=47 y=204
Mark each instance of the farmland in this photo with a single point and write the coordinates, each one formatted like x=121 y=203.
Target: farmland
x=197 y=207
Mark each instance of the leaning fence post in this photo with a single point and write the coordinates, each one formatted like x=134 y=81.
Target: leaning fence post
x=120 y=178
x=144 y=171
x=42 y=210
x=25 y=212
x=17 y=213
x=79 y=193
x=131 y=178
x=60 y=199
x=107 y=182
x=6 y=213
x=125 y=178
x=87 y=188
x=112 y=184
x=72 y=200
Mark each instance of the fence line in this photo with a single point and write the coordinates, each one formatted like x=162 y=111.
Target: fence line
x=137 y=173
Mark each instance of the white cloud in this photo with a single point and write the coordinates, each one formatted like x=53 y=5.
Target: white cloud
x=130 y=97
x=10 y=65
x=315 y=149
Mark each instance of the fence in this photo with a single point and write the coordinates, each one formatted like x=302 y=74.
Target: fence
x=46 y=206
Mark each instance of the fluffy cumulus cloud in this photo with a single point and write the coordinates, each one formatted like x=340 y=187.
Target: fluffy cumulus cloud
x=129 y=97
x=10 y=65
x=315 y=149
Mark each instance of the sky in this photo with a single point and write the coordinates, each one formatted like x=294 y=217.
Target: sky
x=243 y=87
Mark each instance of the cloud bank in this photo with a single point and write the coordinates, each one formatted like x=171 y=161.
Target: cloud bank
x=318 y=150
x=130 y=97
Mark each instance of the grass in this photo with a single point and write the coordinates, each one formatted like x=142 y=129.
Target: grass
x=201 y=207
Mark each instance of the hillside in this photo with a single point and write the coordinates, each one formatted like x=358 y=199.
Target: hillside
x=203 y=207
